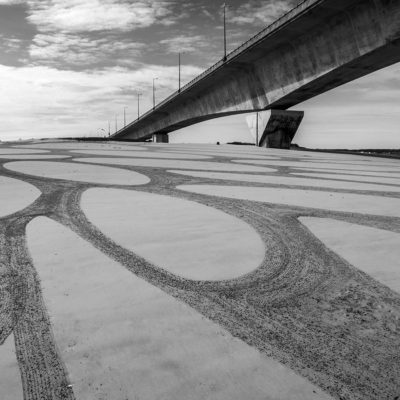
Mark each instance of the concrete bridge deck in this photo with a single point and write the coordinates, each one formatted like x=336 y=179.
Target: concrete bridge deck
x=317 y=46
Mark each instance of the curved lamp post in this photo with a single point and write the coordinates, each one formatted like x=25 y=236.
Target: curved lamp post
x=154 y=93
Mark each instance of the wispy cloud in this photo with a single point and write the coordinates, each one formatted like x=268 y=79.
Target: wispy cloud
x=10 y=44
x=73 y=33
x=260 y=13
x=98 y=15
x=185 y=44
x=11 y=2
x=207 y=13
x=80 y=50
x=46 y=101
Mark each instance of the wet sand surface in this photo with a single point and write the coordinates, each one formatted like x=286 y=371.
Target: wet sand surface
x=103 y=303
x=79 y=145
x=326 y=165
x=153 y=154
x=184 y=237
x=355 y=178
x=156 y=163
x=291 y=181
x=342 y=202
x=79 y=173
x=11 y=151
x=31 y=156
x=374 y=251
x=349 y=173
x=15 y=195
x=121 y=337
x=10 y=377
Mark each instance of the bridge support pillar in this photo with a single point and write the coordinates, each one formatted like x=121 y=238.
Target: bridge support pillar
x=160 y=138
x=281 y=128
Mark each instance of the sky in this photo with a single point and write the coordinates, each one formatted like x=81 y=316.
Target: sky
x=71 y=67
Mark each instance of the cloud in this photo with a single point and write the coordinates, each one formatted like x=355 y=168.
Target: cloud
x=76 y=16
x=184 y=44
x=10 y=44
x=83 y=33
x=208 y=14
x=11 y=2
x=79 y=50
x=259 y=13
x=40 y=101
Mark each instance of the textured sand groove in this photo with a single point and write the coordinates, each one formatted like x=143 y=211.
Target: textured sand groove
x=23 y=312
x=7 y=285
x=162 y=184
x=43 y=373
x=292 y=307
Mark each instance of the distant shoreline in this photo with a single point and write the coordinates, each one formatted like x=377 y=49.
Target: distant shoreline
x=383 y=153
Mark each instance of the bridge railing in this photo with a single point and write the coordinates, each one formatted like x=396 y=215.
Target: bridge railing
x=254 y=39
x=294 y=12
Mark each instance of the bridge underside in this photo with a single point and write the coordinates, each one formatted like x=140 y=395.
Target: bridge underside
x=278 y=132
x=325 y=44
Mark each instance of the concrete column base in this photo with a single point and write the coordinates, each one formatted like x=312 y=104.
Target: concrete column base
x=281 y=128
x=160 y=138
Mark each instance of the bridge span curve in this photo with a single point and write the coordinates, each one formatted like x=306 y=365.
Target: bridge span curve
x=317 y=46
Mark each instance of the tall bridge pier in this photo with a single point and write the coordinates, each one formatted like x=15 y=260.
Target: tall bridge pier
x=281 y=129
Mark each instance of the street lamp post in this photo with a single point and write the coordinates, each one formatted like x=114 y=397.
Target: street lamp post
x=257 y=129
x=179 y=85
x=154 y=93
x=180 y=71
x=138 y=105
x=224 y=31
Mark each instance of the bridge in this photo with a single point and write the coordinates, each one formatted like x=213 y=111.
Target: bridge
x=315 y=47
